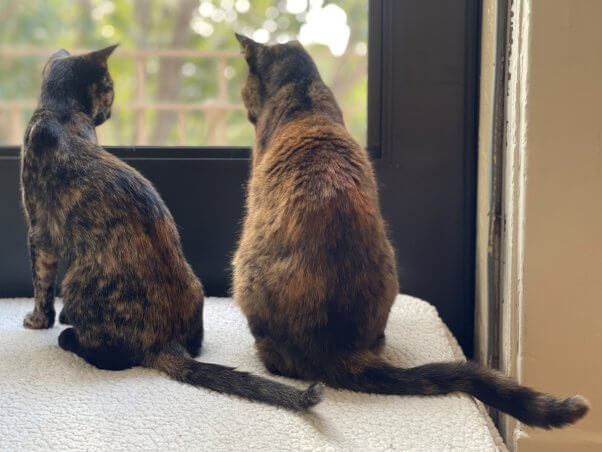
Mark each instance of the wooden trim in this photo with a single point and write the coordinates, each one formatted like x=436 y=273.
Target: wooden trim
x=513 y=204
x=375 y=77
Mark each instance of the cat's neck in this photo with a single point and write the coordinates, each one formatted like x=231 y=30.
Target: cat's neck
x=71 y=116
x=291 y=102
x=64 y=106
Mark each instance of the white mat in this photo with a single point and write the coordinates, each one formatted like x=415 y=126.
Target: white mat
x=51 y=399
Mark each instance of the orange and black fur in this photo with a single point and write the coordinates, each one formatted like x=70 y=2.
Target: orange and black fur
x=128 y=292
x=314 y=272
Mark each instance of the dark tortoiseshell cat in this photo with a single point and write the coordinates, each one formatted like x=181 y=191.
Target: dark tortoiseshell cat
x=314 y=272
x=129 y=294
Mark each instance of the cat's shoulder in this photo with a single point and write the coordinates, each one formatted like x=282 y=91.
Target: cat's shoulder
x=43 y=132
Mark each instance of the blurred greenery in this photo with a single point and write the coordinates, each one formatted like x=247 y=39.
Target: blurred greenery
x=33 y=29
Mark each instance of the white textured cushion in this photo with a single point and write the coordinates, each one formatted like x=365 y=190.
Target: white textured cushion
x=51 y=399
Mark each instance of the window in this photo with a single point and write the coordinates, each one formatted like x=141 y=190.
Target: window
x=179 y=71
x=420 y=98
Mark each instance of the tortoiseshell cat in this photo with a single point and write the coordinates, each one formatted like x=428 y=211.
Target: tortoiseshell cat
x=315 y=273
x=129 y=294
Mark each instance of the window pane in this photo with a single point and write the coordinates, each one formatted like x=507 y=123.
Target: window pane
x=179 y=71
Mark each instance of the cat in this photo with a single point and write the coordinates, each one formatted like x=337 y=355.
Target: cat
x=129 y=293
x=314 y=272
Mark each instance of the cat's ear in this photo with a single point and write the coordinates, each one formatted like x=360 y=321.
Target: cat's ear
x=55 y=56
x=60 y=54
x=101 y=56
x=250 y=48
x=244 y=41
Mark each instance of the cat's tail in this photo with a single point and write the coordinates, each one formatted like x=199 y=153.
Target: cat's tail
x=489 y=386
x=175 y=362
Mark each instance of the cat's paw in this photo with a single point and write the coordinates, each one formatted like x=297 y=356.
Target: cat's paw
x=68 y=340
x=37 y=320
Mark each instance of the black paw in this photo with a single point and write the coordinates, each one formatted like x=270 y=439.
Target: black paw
x=68 y=339
x=36 y=320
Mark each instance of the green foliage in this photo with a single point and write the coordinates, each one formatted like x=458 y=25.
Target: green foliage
x=39 y=27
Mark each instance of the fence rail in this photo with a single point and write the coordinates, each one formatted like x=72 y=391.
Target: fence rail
x=215 y=110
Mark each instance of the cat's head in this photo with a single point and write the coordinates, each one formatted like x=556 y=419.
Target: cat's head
x=272 y=68
x=82 y=81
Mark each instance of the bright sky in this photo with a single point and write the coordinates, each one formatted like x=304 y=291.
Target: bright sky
x=322 y=24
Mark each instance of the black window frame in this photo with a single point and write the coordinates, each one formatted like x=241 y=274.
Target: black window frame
x=204 y=187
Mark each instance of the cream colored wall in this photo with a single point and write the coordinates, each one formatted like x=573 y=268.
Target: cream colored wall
x=557 y=290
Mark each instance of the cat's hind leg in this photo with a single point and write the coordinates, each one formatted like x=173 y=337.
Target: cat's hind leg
x=64 y=317
x=194 y=334
x=379 y=344
x=109 y=357
x=68 y=340
x=275 y=359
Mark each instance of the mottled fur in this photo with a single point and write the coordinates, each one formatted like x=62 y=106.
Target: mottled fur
x=314 y=272
x=128 y=292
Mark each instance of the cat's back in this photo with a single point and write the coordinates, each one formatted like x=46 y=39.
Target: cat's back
x=313 y=219
x=87 y=166
x=313 y=167
x=121 y=198
x=60 y=157
x=75 y=186
x=312 y=191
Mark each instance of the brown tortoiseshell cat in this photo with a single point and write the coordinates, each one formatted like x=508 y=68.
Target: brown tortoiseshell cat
x=129 y=294
x=314 y=272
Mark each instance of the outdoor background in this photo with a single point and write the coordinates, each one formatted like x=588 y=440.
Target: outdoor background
x=178 y=71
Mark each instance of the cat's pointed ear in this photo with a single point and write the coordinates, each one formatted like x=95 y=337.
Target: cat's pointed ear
x=250 y=48
x=244 y=41
x=101 y=56
x=60 y=54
